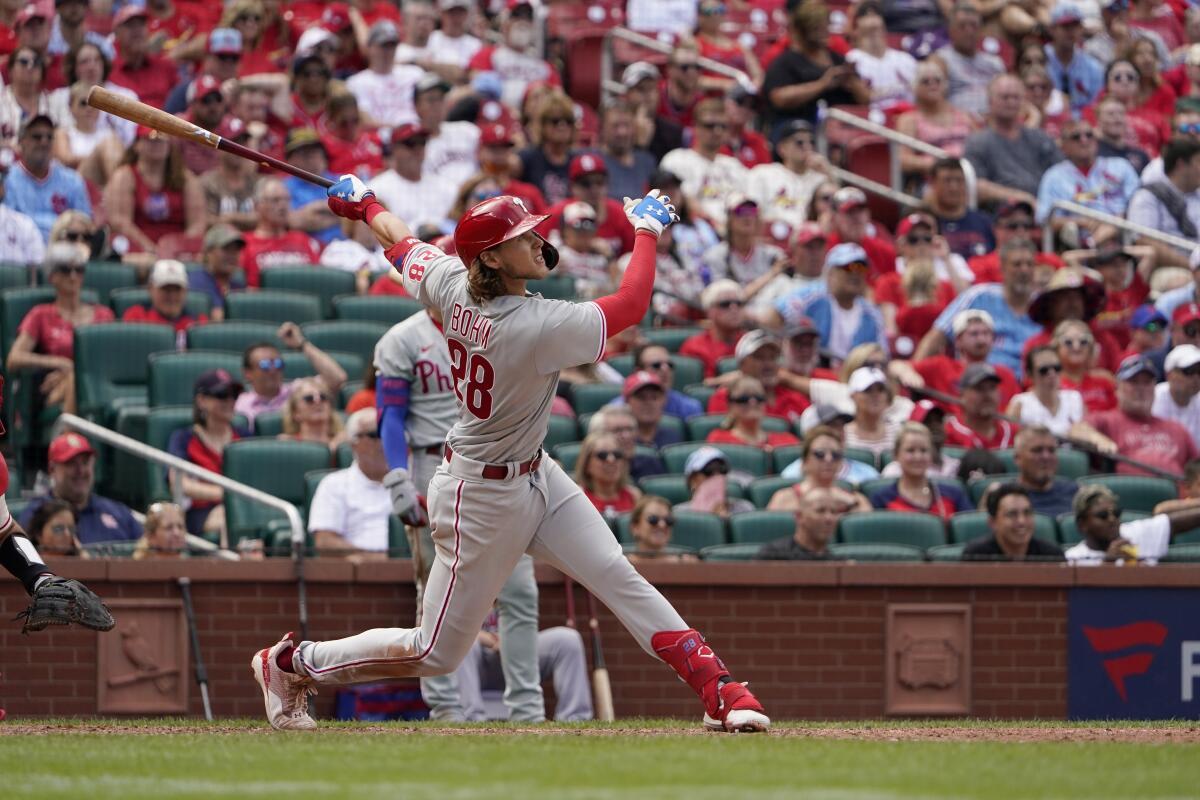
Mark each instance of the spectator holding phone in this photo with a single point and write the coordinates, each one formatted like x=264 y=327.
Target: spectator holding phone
x=707 y=474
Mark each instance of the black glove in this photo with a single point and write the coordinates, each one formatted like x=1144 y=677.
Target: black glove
x=61 y=601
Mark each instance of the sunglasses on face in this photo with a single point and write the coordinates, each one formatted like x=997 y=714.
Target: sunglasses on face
x=1049 y=369
x=314 y=73
x=27 y=61
x=657 y=365
x=857 y=268
x=592 y=183
x=727 y=304
x=1191 y=331
x=1192 y=371
x=827 y=455
x=229 y=58
x=69 y=270
x=920 y=239
x=688 y=67
x=712 y=126
x=40 y=137
x=413 y=144
x=1072 y=344
x=746 y=399
x=1017 y=225
x=314 y=398
x=1124 y=77
x=559 y=121
x=368 y=435
x=1080 y=136
x=1105 y=514
x=247 y=18
x=76 y=236
x=654 y=521
x=715 y=468
x=270 y=363
x=608 y=455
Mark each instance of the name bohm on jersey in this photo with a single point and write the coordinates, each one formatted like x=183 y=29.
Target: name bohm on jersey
x=471 y=325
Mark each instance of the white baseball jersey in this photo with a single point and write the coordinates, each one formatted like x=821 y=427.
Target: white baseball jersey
x=504 y=356
x=452 y=156
x=782 y=194
x=414 y=351
x=709 y=183
x=387 y=98
x=423 y=202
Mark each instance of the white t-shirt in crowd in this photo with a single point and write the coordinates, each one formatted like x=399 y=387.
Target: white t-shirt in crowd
x=890 y=78
x=354 y=507
x=1150 y=536
x=456 y=50
x=453 y=155
x=661 y=16
x=20 y=240
x=387 y=98
x=416 y=202
x=1070 y=411
x=782 y=194
x=844 y=324
x=1188 y=416
x=410 y=54
x=708 y=183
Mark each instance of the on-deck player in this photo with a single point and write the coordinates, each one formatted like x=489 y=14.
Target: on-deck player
x=417 y=408
x=494 y=497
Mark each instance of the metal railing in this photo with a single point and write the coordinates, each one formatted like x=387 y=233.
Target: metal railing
x=157 y=456
x=1187 y=245
x=609 y=85
x=895 y=140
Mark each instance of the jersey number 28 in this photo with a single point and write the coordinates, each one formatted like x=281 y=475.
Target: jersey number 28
x=476 y=375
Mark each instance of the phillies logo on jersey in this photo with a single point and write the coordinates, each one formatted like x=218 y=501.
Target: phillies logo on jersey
x=433 y=379
x=1125 y=637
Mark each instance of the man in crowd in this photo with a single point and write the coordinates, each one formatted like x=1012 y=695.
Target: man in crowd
x=725 y=309
x=645 y=396
x=967 y=231
x=496 y=157
x=385 y=88
x=588 y=178
x=758 y=356
x=150 y=75
x=452 y=153
x=1135 y=429
x=629 y=167
x=1036 y=457
x=1147 y=330
x=351 y=507
x=977 y=424
x=38 y=185
x=72 y=479
x=1010 y=516
x=802 y=269
x=709 y=177
x=1080 y=75
x=223 y=245
x=262 y=365
x=310 y=209
x=273 y=242
x=852 y=223
x=1101 y=184
x=657 y=134
x=1178 y=398
x=1112 y=131
x=408 y=188
x=222 y=56
x=1014 y=220
x=680 y=90
x=974 y=335
x=20 y=240
x=743 y=142
x=168 y=286
x=619 y=422
x=515 y=60
x=451 y=46
x=816 y=523
x=1009 y=157
x=971 y=69
x=656 y=360
x=1108 y=540
x=1171 y=205
x=784 y=190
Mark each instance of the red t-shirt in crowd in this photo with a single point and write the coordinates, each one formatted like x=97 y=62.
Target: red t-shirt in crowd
x=624 y=502
x=708 y=349
x=880 y=254
x=263 y=252
x=363 y=398
x=889 y=289
x=1159 y=442
x=751 y=149
x=1119 y=306
x=615 y=229
x=959 y=435
x=1099 y=391
x=152 y=81
x=787 y=404
x=148 y=313
x=362 y=157
x=774 y=439
x=943 y=374
x=987 y=267
x=53 y=335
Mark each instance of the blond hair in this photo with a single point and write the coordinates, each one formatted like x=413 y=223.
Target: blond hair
x=291 y=426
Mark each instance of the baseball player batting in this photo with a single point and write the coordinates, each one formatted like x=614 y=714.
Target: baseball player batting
x=494 y=497
x=417 y=408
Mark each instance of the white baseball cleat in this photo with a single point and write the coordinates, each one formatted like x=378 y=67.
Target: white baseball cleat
x=739 y=712
x=285 y=694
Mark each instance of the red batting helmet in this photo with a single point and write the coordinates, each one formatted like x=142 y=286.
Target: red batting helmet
x=494 y=222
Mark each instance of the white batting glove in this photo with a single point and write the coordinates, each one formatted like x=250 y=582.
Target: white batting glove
x=653 y=213
x=350 y=198
x=403 y=492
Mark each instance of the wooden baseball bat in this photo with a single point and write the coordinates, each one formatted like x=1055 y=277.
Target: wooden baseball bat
x=142 y=114
x=185 y=588
x=601 y=687
x=570 y=587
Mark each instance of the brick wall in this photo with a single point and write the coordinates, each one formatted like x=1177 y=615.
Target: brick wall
x=808 y=636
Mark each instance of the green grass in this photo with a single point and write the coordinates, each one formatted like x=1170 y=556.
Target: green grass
x=238 y=759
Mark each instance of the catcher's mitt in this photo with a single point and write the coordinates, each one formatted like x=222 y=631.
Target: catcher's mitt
x=61 y=601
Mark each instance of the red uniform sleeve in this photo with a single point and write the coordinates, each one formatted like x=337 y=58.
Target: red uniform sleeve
x=626 y=307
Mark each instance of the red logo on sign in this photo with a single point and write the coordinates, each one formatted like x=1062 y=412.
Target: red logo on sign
x=1107 y=640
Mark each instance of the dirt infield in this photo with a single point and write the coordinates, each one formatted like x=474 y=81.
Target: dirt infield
x=1128 y=732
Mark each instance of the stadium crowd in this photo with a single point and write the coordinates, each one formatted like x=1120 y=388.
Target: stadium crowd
x=825 y=372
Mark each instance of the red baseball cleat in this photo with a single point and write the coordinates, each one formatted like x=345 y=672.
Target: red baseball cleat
x=739 y=711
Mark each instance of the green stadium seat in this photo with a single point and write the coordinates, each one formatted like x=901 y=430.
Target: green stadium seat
x=977 y=487
x=232 y=335
x=324 y=283
x=699 y=427
x=348 y=390
x=622 y=527
x=892 y=527
x=675 y=425
x=761 y=526
x=553 y=287
x=1006 y=457
x=698 y=391
x=1136 y=492
x=122 y=300
x=945 y=552
x=273 y=305
x=591 y=397
x=173 y=374
x=384 y=309
x=1187 y=537
x=875 y=551
x=344 y=456
x=622 y=363
x=763 y=489
x=128 y=481
x=161 y=422
x=629 y=548
x=698 y=530
x=346 y=336
x=560 y=431
x=105 y=276
x=274 y=466
x=783 y=456
x=17 y=276
x=1182 y=553
x=968 y=525
x=745 y=458
x=726 y=365
x=110 y=363
x=268 y=423
x=861 y=455
x=731 y=552
x=688 y=371
x=1068 y=531
x=1073 y=463
x=670 y=338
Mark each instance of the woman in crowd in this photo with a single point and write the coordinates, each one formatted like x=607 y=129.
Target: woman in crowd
x=308 y=415
x=913 y=490
x=651 y=522
x=837 y=392
x=552 y=131
x=1046 y=107
x=54 y=528
x=311 y=90
x=248 y=18
x=1078 y=352
x=152 y=196
x=713 y=43
x=871 y=429
x=203 y=444
x=46 y=336
x=1154 y=94
x=164 y=534
x=602 y=471
x=25 y=96
x=822 y=458
x=743 y=256
x=474 y=190
x=82 y=135
x=935 y=120
x=743 y=424
x=86 y=63
x=1046 y=402
x=1123 y=81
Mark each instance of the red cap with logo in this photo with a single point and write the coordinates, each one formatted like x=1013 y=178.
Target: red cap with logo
x=1188 y=312
x=913 y=220
x=336 y=17
x=809 y=232
x=638 y=381
x=128 y=12
x=31 y=11
x=586 y=164
x=202 y=87
x=494 y=133
x=67 y=446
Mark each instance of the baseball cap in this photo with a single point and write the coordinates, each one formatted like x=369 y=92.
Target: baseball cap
x=913 y=220
x=31 y=11
x=301 y=138
x=808 y=232
x=800 y=326
x=717 y=290
x=1010 y=207
x=864 y=378
x=1182 y=357
x=428 y=82
x=35 y=119
x=825 y=414
x=495 y=133
x=637 y=72
x=1065 y=14
x=225 y=41
x=586 y=164
x=1188 y=312
x=740 y=90
x=168 y=272
x=845 y=254
x=1145 y=314
x=232 y=128
x=700 y=458
x=304 y=58
x=407 y=131
x=848 y=198
x=638 y=381
x=737 y=200
x=383 y=32
x=976 y=374
x=446 y=5
x=793 y=127
x=1135 y=365
x=1083 y=279
x=923 y=408
x=311 y=39
x=202 y=87
x=579 y=216
x=68 y=445
x=1108 y=253
x=964 y=318
x=146 y=132
x=752 y=342
x=216 y=381
x=336 y=17
x=222 y=234
x=129 y=12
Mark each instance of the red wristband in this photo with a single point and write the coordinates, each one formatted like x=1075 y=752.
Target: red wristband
x=372 y=210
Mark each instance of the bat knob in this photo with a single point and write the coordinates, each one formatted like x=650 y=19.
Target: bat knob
x=185 y=581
